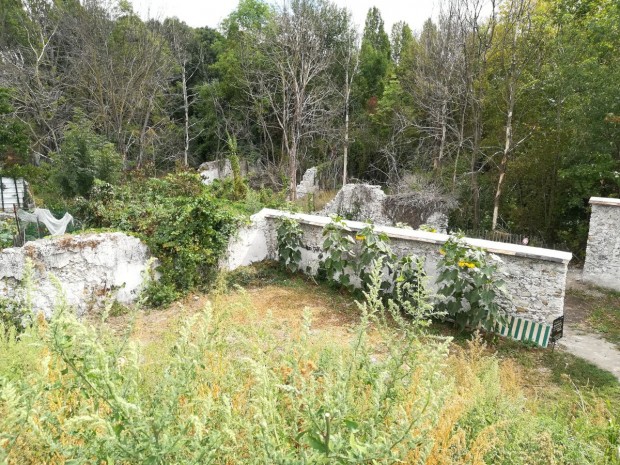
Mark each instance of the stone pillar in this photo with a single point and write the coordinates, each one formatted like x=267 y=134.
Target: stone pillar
x=602 y=266
x=308 y=184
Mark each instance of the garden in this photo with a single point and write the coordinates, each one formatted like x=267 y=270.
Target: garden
x=266 y=365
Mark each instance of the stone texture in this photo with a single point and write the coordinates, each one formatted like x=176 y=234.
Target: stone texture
x=536 y=278
x=424 y=207
x=309 y=183
x=212 y=170
x=602 y=265
x=86 y=267
x=362 y=202
x=438 y=221
x=359 y=202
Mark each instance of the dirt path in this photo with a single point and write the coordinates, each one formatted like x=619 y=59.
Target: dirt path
x=578 y=339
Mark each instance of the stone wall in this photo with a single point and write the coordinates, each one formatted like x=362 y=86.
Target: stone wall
x=212 y=170
x=308 y=184
x=536 y=278
x=86 y=266
x=602 y=266
x=359 y=202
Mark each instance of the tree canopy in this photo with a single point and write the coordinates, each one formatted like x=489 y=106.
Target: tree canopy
x=512 y=107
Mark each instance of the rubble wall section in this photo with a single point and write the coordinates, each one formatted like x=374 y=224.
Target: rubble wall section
x=86 y=267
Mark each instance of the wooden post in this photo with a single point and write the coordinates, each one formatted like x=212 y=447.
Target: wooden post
x=16 y=192
x=19 y=233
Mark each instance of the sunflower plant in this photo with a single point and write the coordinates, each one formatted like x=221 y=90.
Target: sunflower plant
x=470 y=293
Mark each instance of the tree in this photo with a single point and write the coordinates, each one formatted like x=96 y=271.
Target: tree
x=350 y=62
x=374 y=59
x=83 y=157
x=122 y=72
x=180 y=37
x=479 y=34
x=293 y=56
x=13 y=136
x=514 y=52
x=402 y=43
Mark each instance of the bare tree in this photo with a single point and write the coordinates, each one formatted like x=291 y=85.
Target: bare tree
x=351 y=64
x=123 y=67
x=291 y=75
x=517 y=26
x=181 y=39
x=438 y=87
x=34 y=70
x=478 y=24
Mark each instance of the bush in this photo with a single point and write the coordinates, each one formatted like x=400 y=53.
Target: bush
x=7 y=231
x=184 y=226
x=346 y=256
x=289 y=243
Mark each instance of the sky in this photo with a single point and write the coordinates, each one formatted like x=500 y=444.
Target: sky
x=198 y=13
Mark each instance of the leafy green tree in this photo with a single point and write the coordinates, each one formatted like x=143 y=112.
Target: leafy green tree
x=84 y=156
x=375 y=59
x=13 y=136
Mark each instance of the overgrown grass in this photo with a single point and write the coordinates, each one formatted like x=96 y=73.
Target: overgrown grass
x=601 y=311
x=230 y=385
x=606 y=320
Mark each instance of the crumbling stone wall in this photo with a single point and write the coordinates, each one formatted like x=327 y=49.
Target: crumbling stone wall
x=212 y=170
x=602 y=265
x=87 y=267
x=359 y=202
x=536 y=278
x=309 y=183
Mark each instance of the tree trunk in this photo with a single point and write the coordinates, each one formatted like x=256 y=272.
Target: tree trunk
x=147 y=116
x=293 y=170
x=186 y=111
x=442 y=143
x=346 y=136
x=512 y=89
x=503 y=164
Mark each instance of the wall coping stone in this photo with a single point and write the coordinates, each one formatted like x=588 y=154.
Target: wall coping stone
x=499 y=248
x=605 y=201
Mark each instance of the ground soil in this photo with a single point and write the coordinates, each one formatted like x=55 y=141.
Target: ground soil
x=334 y=315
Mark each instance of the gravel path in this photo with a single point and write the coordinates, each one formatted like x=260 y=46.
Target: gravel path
x=592 y=348
x=581 y=342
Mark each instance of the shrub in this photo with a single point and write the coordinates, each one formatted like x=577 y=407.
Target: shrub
x=338 y=253
x=7 y=231
x=183 y=225
x=13 y=133
x=470 y=292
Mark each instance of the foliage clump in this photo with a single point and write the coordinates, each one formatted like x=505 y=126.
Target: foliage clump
x=183 y=225
x=471 y=293
x=289 y=243
x=84 y=156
